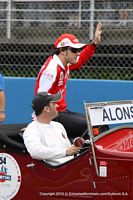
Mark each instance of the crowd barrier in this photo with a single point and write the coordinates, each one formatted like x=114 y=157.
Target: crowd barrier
x=20 y=91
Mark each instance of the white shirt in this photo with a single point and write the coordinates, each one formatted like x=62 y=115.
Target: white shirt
x=47 y=142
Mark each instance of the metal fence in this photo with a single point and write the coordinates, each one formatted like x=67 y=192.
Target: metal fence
x=28 y=30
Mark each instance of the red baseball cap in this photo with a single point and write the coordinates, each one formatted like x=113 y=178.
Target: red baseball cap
x=68 y=40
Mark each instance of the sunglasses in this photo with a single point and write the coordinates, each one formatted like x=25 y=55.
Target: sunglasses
x=74 y=50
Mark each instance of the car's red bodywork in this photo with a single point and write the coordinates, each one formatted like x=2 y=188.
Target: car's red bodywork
x=102 y=171
x=77 y=179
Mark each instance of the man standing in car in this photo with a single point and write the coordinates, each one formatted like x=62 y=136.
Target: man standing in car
x=69 y=54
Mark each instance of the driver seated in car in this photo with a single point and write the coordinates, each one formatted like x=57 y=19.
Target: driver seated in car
x=46 y=139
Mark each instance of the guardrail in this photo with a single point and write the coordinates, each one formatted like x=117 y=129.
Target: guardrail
x=75 y=13
x=9 y=10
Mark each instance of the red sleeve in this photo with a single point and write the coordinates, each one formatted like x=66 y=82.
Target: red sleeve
x=84 y=56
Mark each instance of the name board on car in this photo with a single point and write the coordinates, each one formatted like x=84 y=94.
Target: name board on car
x=111 y=114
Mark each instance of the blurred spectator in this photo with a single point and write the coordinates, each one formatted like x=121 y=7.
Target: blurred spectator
x=39 y=14
x=2 y=99
x=2 y=13
x=18 y=13
x=86 y=14
x=73 y=20
x=107 y=15
x=122 y=12
x=35 y=13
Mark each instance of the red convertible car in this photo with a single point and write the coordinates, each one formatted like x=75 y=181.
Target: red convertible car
x=102 y=171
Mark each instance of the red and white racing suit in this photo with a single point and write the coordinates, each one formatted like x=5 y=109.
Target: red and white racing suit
x=53 y=75
x=52 y=78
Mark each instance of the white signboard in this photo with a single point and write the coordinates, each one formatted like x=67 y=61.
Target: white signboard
x=111 y=114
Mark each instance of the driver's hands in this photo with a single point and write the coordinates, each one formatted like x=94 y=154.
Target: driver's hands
x=98 y=32
x=72 y=150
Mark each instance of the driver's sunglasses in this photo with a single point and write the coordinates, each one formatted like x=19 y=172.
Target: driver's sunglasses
x=74 y=50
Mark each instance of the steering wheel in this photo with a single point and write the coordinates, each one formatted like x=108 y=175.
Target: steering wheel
x=81 y=142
